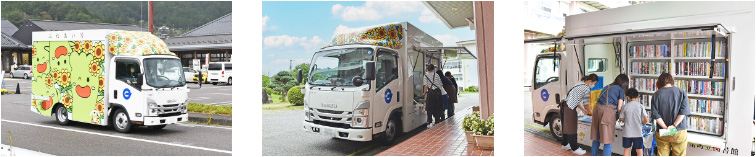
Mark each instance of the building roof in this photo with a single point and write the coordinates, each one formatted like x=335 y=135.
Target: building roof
x=10 y=42
x=186 y=43
x=8 y=27
x=52 y=25
x=221 y=25
x=454 y=14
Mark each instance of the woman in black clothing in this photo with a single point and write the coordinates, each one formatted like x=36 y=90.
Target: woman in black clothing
x=448 y=87
x=452 y=92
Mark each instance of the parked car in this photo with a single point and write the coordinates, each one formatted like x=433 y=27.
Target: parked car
x=204 y=76
x=189 y=74
x=22 y=71
x=219 y=72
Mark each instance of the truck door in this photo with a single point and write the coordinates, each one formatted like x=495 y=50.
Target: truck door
x=124 y=88
x=387 y=89
x=546 y=84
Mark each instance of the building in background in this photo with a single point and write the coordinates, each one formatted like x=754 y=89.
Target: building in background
x=213 y=39
x=10 y=46
x=464 y=70
x=545 y=19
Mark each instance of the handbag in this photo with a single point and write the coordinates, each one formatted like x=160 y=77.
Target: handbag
x=436 y=91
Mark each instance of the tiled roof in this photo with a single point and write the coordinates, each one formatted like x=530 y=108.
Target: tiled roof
x=10 y=42
x=184 y=43
x=51 y=25
x=8 y=27
x=221 y=25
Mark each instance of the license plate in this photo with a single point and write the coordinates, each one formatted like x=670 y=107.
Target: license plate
x=214 y=73
x=323 y=131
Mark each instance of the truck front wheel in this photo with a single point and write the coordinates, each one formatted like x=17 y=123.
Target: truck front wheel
x=61 y=115
x=121 y=121
x=556 y=126
x=391 y=131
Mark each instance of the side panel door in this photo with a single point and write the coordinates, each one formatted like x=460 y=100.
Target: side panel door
x=546 y=84
x=387 y=88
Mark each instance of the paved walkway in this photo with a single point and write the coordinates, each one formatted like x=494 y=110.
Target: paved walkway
x=537 y=146
x=444 y=139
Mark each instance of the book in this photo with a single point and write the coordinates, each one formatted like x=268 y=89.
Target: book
x=705 y=124
x=706 y=106
x=668 y=131
x=644 y=84
x=650 y=51
x=649 y=67
x=700 y=49
x=711 y=88
x=699 y=69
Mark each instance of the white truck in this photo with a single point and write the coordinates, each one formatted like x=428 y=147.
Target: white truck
x=642 y=41
x=107 y=77
x=367 y=82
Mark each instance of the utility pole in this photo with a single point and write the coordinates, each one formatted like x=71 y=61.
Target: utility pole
x=290 y=60
x=151 y=16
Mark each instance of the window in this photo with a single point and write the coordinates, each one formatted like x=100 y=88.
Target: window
x=127 y=70
x=596 y=65
x=457 y=77
x=452 y=65
x=228 y=66
x=214 y=66
x=547 y=71
x=386 y=69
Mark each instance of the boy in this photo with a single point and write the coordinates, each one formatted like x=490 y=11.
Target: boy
x=635 y=117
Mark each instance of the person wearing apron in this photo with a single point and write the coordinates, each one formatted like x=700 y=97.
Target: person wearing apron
x=577 y=97
x=605 y=115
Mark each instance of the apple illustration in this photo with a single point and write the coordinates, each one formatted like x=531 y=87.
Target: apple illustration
x=47 y=104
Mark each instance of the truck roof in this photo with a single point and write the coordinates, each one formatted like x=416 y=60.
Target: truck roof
x=386 y=35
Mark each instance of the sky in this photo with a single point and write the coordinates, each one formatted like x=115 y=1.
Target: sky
x=296 y=30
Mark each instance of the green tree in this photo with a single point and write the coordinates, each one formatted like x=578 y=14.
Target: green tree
x=282 y=82
x=305 y=71
x=265 y=81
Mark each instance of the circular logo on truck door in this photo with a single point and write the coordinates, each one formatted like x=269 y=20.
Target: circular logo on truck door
x=544 y=95
x=388 y=96
x=126 y=93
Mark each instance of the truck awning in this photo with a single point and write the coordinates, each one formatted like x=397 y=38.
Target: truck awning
x=560 y=39
x=446 y=51
x=721 y=31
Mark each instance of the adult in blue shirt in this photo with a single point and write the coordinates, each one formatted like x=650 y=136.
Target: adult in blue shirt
x=604 y=114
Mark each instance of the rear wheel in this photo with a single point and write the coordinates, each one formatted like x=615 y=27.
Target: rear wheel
x=556 y=126
x=229 y=81
x=157 y=127
x=61 y=115
x=392 y=130
x=26 y=76
x=12 y=75
x=121 y=121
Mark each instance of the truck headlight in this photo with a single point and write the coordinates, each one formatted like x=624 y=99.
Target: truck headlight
x=307 y=113
x=360 y=115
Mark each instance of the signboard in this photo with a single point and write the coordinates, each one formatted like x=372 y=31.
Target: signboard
x=196 y=64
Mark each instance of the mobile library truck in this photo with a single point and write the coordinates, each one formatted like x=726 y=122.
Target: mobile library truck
x=706 y=46
x=107 y=77
x=367 y=82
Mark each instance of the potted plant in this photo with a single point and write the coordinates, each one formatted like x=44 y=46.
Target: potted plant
x=484 y=133
x=467 y=125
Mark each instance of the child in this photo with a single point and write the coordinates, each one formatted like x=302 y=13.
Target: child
x=635 y=117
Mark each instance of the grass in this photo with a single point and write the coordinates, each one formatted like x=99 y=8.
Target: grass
x=467 y=92
x=281 y=106
x=276 y=98
x=210 y=109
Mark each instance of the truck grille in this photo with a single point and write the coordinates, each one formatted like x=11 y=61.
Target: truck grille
x=170 y=114
x=329 y=111
x=331 y=124
x=169 y=109
x=332 y=118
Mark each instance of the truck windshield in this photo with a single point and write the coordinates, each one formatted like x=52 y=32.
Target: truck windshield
x=163 y=72
x=338 y=67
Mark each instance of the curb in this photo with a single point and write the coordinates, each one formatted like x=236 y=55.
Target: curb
x=214 y=118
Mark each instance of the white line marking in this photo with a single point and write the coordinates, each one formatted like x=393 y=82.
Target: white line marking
x=194 y=125
x=121 y=137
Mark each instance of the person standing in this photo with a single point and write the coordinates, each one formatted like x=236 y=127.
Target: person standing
x=449 y=88
x=433 y=90
x=577 y=97
x=634 y=116
x=604 y=114
x=454 y=81
x=669 y=108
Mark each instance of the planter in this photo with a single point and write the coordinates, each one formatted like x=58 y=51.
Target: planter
x=476 y=108
x=469 y=137
x=484 y=142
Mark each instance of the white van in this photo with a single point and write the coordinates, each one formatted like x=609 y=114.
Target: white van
x=219 y=72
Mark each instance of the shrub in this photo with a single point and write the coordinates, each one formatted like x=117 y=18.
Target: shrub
x=484 y=127
x=269 y=91
x=472 y=89
x=295 y=96
x=467 y=122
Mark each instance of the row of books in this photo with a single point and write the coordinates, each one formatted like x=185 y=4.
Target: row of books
x=649 y=51
x=699 y=49
x=644 y=84
x=649 y=67
x=706 y=106
x=705 y=124
x=645 y=100
x=701 y=87
x=693 y=33
x=699 y=68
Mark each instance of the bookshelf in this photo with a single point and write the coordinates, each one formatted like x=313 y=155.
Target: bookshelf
x=687 y=57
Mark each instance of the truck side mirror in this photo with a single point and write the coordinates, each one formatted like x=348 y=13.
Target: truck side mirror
x=370 y=70
x=299 y=76
x=558 y=99
x=140 y=79
x=357 y=81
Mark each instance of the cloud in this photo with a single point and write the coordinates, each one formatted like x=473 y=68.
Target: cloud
x=310 y=45
x=375 y=10
x=265 y=24
x=428 y=17
x=447 y=39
